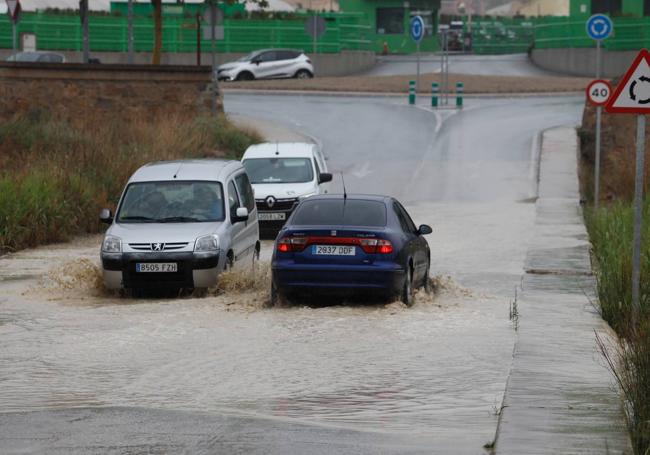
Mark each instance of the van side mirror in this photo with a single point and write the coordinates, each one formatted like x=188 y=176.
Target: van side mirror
x=324 y=177
x=424 y=229
x=106 y=216
x=240 y=215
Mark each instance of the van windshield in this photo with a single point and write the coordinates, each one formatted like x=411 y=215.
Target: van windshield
x=279 y=170
x=172 y=202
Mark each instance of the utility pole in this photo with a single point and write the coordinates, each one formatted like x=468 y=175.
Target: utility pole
x=130 y=38
x=83 y=11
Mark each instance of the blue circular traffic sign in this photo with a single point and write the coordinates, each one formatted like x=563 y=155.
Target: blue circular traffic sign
x=417 y=29
x=599 y=27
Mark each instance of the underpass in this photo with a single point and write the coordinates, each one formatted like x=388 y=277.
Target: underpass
x=223 y=374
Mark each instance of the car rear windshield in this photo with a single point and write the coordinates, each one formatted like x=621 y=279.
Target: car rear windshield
x=172 y=202
x=337 y=212
x=279 y=170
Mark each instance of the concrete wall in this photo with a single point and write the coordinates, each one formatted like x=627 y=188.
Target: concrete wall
x=345 y=63
x=75 y=91
x=582 y=62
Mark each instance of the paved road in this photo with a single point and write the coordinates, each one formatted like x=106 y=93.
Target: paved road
x=83 y=372
x=488 y=65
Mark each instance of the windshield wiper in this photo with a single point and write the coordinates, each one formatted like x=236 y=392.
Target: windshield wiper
x=136 y=218
x=178 y=219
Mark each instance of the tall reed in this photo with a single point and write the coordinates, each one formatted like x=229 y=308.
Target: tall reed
x=55 y=175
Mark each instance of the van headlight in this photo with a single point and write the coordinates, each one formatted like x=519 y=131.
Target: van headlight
x=112 y=244
x=207 y=243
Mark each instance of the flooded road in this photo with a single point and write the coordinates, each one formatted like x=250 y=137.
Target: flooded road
x=222 y=373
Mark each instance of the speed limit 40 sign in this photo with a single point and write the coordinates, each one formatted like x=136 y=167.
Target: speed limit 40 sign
x=598 y=92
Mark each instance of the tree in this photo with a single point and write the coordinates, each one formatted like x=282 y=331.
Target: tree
x=157 y=34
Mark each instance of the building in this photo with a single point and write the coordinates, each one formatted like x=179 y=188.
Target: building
x=388 y=21
x=627 y=8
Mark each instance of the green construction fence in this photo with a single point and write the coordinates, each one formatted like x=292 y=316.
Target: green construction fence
x=109 y=33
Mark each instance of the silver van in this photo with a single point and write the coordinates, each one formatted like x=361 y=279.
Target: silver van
x=179 y=224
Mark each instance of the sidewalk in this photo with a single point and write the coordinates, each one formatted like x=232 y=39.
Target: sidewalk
x=560 y=398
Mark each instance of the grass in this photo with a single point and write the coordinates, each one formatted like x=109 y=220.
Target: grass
x=611 y=232
x=55 y=175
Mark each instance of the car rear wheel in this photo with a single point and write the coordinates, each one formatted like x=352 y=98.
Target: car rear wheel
x=277 y=296
x=304 y=74
x=245 y=76
x=426 y=285
x=407 y=288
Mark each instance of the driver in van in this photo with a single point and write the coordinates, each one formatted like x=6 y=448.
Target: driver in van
x=206 y=202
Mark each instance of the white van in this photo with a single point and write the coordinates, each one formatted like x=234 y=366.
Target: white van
x=282 y=174
x=179 y=224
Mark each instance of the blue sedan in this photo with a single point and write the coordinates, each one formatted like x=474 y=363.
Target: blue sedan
x=350 y=244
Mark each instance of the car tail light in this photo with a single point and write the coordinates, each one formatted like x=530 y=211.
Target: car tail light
x=376 y=246
x=384 y=247
x=289 y=244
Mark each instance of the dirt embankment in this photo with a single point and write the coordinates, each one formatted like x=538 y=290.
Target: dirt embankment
x=618 y=151
x=400 y=84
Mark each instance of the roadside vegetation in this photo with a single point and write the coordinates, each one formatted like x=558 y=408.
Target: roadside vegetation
x=55 y=175
x=611 y=231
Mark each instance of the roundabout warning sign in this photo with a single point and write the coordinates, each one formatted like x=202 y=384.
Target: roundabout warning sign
x=632 y=95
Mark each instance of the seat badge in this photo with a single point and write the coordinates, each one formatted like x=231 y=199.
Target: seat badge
x=333 y=233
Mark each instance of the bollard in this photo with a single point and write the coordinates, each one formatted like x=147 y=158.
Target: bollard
x=460 y=88
x=434 y=94
x=411 y=92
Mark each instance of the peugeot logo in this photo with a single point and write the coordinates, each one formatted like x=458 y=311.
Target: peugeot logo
x=157 y=246
x=270 y=201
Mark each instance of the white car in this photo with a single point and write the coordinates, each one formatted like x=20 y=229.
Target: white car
x=268 y=64
x=178 y=225
x=282 y=174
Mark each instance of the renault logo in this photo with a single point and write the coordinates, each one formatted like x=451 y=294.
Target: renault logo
x=270 y=201
x=157 y=246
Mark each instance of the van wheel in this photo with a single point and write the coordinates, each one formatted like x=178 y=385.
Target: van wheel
x=256 y=256
x=304 y=74
x=230 y=263
x=137 y=293
x=407 y=288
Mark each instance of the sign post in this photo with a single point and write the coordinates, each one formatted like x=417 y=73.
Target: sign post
x=315 y=26
x=215 y=17
x=130 y=33
x=632 y=96
x=13 y=10
x=417 y=33
x=599 y=27
x=598 y=93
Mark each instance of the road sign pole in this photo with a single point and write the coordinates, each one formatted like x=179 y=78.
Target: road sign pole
x=599 y=111
x=84 y=23
x=638 y=217
x=417 y=77
x=130 y=33
x=213 y=51
x=14 y=35
x=315 y=34
x=598 y=56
